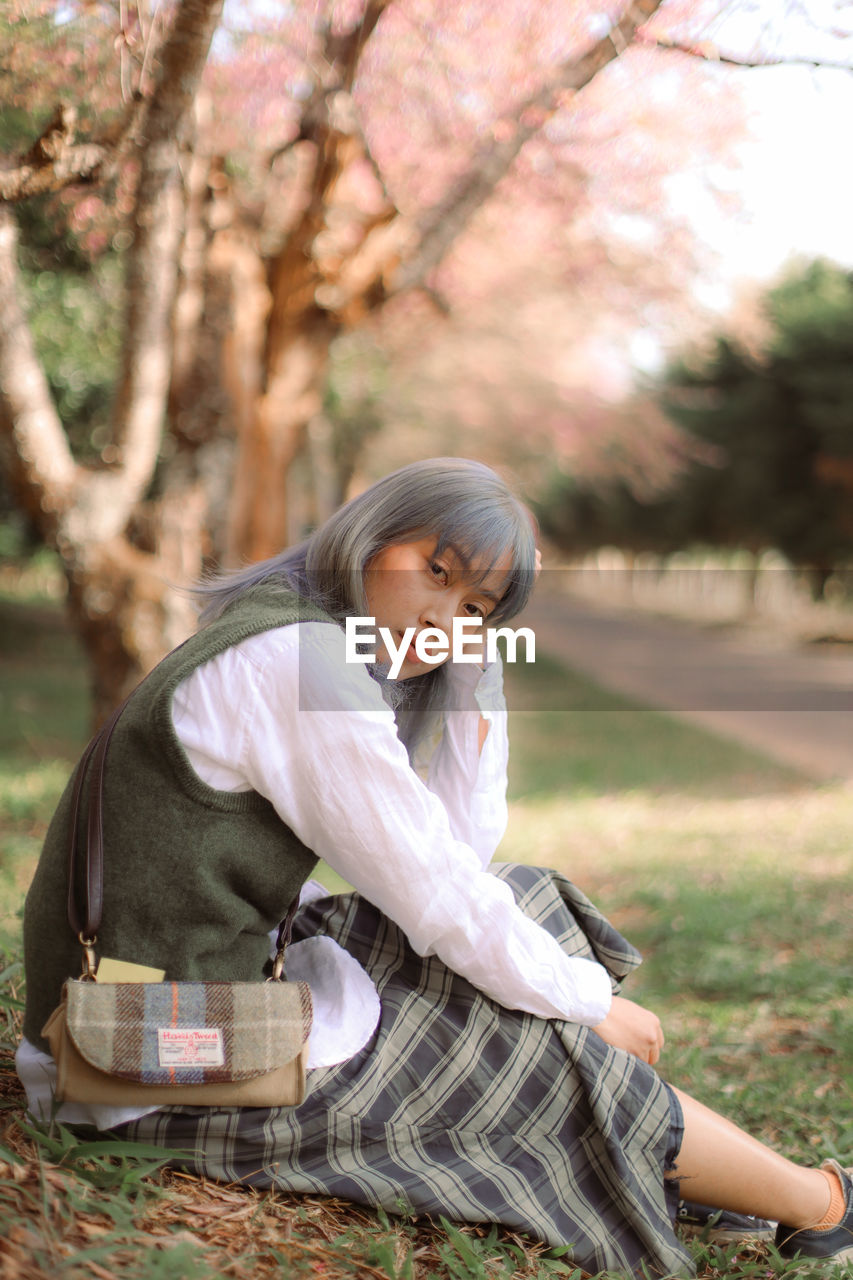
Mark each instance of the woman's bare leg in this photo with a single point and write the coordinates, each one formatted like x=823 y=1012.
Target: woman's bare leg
x=720 y=1165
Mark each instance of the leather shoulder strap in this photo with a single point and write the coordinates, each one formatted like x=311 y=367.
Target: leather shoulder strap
x=87 y=926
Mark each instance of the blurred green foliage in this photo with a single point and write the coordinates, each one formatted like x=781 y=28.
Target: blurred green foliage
x=75 y=313
x=768 y=438
x=70 y=242
x=75 y=320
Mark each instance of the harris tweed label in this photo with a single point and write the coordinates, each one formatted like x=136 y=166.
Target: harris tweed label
x=190 y=1047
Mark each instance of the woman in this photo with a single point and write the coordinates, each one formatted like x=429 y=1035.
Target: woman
x=470 y=1055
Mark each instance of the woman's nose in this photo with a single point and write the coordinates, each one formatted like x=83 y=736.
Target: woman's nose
x=438 y=614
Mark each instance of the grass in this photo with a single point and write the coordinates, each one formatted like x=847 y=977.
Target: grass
x=572 y=738
x=731 y=873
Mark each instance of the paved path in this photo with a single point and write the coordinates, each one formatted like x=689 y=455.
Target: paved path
x=794 y=704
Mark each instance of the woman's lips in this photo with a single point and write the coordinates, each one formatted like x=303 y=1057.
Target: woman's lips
x=411 y=654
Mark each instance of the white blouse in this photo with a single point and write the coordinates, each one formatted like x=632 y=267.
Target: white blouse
x=284 y=714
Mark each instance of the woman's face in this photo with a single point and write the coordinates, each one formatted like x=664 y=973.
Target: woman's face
x=408 y=585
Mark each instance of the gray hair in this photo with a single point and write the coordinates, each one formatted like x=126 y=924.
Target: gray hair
x=464 y=504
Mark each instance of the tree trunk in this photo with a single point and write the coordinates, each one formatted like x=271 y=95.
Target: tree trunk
x=121 y=593
x=275 y=436
x=124 y=607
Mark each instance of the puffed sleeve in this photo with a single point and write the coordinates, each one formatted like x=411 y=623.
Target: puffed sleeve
x=471 y=783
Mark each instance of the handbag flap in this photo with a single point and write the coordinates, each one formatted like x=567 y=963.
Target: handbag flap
x=188 y=1032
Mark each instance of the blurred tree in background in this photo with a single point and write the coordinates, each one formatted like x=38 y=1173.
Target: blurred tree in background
x=69 y=268
x=129 y=94
x=192 y=240
x=767 y=457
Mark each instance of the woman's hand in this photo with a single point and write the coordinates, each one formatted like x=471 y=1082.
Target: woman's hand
x=630 y=1026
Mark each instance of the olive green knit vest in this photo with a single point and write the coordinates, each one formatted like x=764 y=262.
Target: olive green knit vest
x=194 y=878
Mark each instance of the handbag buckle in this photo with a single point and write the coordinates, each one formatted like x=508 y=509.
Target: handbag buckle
x=90 y=960
x=277 y=966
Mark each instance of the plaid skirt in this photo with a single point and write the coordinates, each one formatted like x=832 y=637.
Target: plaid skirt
x=460 y=1107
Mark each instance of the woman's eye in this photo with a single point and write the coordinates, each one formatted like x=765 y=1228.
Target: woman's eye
x=475 y=611
x=438 y=571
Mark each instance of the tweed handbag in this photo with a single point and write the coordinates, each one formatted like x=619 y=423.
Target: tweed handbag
x=194 y=1043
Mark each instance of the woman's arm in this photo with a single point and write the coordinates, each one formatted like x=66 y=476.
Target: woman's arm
x=313 y=734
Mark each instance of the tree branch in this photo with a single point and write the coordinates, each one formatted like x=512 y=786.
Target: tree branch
x=708 y=51
x=816 y=64
x=445 y=221
x=344 y=51
x=44 y=471
x=779 y=33
x=55 y=160
x=152 y=265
